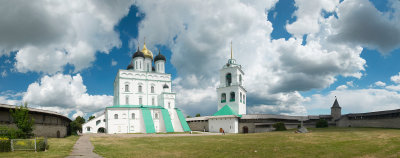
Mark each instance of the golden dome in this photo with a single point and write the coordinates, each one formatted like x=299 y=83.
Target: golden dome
x=146 y=52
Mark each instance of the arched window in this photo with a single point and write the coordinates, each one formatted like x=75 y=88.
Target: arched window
x=244 y=99
x=228 y=79
x=140 y=101
x=232 y=99
x=169 y=105
x=148 y=67
x=115 y=116
x=156 y=115
x=140 y=89
x=127 y=100
x=240 y=79
x=136 y=67
x=153 y=101
x=240 y=96
x=223 y=98
x=133 y=115
x=126 y=88
x=152 y=89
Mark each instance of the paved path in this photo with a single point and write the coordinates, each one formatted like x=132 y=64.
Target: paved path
x=83 y=148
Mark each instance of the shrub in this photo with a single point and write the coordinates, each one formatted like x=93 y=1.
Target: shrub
x=279 y=126
x=321 y=124
x=5 y=145
x=41 y=144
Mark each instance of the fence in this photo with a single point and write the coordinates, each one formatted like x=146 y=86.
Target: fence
x=37 y=144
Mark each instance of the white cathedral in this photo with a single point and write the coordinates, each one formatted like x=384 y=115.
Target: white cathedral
x=143 y=100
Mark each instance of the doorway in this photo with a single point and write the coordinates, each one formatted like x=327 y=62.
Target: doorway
x=245 y=129
x=58 y=134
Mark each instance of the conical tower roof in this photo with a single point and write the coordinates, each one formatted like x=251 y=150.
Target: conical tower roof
x=336 y=104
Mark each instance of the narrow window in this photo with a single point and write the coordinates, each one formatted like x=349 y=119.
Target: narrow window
x=136 y=67
x=133 y=115
x=153 y=101
x=240 y=79
x=232 y=99
x=148 y=67
x=240 y=96
x=152 y=89
x=127 y=100
x=140 y=88
x=244 y=99
x=140 y=101
x=140 y=65
x=228 y=79
x=126 y=88
x=223 y=98
x=115 y=116
x=156 y=115
x=169 y=105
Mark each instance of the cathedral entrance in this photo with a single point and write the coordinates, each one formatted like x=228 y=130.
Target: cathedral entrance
x=245 y=129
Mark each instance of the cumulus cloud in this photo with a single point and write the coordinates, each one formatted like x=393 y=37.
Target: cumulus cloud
x=275 y=69
x=395 y=78
x=64 y=93
x=309 y=14
x=355 y=101
x=360 y=23
x=48 y=35
x=341 y=87
x=380 y=83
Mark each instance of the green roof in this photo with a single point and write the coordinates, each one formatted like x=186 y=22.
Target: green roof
x=226 y=110
x=135 y=106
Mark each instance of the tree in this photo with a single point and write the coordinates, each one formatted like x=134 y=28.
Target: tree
x=198 y=115
x=90 y=118
x=321 y=123
x=188 y=116
x=76 y=125
x=279 y=126
x=23 y=121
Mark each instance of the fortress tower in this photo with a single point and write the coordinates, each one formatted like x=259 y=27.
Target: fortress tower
x=336 y=110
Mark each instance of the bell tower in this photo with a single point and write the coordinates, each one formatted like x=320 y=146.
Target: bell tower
x=231 y=91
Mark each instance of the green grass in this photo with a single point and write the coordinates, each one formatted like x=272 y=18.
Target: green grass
x=59 y=147
x=328 y=142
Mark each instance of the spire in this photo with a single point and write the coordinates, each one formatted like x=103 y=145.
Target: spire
x=231 y=51
x=336 y=103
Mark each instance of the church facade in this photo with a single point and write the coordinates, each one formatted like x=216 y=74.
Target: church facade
x=143 y=100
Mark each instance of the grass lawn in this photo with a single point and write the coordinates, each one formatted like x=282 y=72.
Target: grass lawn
x=59 y=147
x=328 y=142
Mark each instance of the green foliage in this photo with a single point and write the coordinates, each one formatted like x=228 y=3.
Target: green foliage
x=198 y=115
x=5 y=145
x=76 y=125
x=41 y=144
x=23 y=121
x=321 y=124
x=279 y=126
x=90 y=118
x=188 y=116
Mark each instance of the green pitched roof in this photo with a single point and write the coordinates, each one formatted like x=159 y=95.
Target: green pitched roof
x=226 y=110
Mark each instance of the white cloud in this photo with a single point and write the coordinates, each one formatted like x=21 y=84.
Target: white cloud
x=64 y=93
x=309 y=14
x=395 y=78
x=360 y=23
x=48 y=35
x=380 y=84
x=355 y=101
x=113 y=62
x=78 y=113
x=199 y=33
x=4 y=73
x=341 y=87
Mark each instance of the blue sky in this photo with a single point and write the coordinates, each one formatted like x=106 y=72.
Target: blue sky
x=76 y=59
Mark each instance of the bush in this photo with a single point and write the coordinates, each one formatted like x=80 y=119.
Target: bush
x=5 y=145
x=41 y=144
x=279 y=126
x=321 y=124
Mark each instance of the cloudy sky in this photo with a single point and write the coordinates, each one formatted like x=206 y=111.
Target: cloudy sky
x=297 y=54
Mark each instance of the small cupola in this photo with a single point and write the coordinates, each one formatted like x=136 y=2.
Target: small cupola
x=138 y=54
x=159 y=57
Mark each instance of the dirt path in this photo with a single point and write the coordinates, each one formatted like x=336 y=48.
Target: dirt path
x=83 y=148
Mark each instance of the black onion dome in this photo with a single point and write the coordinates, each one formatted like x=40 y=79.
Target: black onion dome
x=165 y=86
x=130 y=66
x=160 y=57
x=138 y=54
